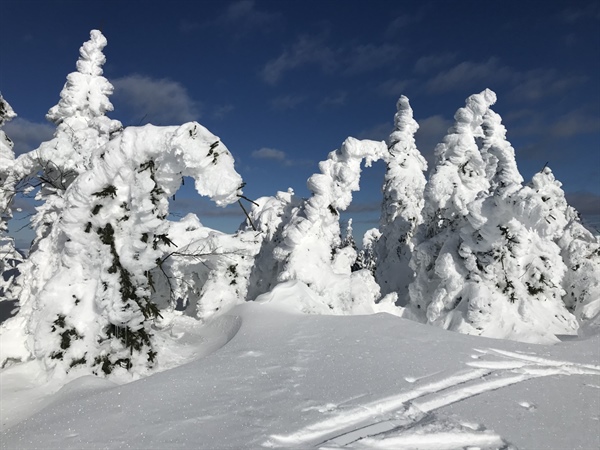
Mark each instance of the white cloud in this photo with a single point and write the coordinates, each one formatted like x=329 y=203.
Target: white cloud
x=28 y=135
x=336 y=99
x=364 y=58
x=245 y=12
x=149 y=100
x=430 y=133
x=467 y=72
x=221 y=111
x=269 y=153
x=306 y=51
x=314 y=51
x=428 y=63
x=286 y=102
x=394 y=87
x=539 y=84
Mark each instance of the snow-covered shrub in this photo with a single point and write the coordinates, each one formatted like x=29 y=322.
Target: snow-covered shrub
x=208 y=271
x=9 y=257
x=402 y=204
x=310 y=242
x=96 y=309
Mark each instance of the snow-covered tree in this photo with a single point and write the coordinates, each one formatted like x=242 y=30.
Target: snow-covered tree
x=495 y=268
x=96 y=309
x=82 y=128
x=555 y=219
x=402 y=204
x=207 y=272
x=310 y=248
x=458 y=180
x=9 y=257
x=269 y=215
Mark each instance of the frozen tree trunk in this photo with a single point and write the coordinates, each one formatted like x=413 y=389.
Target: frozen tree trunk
x=96 y=308
x=402 y=205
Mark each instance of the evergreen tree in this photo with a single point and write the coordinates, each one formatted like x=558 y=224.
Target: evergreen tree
x=459 y=179
x=310 y=248
x=82 y=128
x=9 y=257
x=97 y=309
x=498 y=270
x=402 y=204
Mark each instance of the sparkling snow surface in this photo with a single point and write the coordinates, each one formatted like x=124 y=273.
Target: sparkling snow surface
x=266 y=376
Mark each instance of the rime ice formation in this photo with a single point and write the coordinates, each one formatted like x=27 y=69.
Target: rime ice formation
x=9 y=257
x=309 y=244
x=96 y=308
x=401 y=206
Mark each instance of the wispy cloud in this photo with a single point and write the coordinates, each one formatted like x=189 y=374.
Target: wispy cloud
x=431 y=62
x=468 y=73
x=574 y=14
x=364 y=58
x=346 y=60
x=238 y=19
x=269 y=153
x=430 y=133
x=287 y=102
x=221 y=111
x=157 y=101
x=394 y=87
x=334 y=100
x=306 y=51
x=541 y=83
x=28 y=135
x=279 y=156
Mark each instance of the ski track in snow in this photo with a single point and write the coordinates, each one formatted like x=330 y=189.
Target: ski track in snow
x=391 y=422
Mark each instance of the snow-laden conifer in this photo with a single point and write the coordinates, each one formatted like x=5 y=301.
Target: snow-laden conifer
x=82 y=128
x=269 y=216
x=496 y=270
x=310 y=248
x=9 y=257
x=402 y=204
x=458 y=180
x=96 y=309
x=547 y=211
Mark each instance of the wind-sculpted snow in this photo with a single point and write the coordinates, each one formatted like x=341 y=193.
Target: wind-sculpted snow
x=284 y=379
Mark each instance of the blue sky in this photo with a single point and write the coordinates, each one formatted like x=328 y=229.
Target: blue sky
x=284 y=82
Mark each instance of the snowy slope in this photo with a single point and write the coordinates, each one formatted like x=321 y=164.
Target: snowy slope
x=266 y=376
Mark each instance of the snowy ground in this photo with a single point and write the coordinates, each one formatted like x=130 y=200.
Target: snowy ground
x=263 y=376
